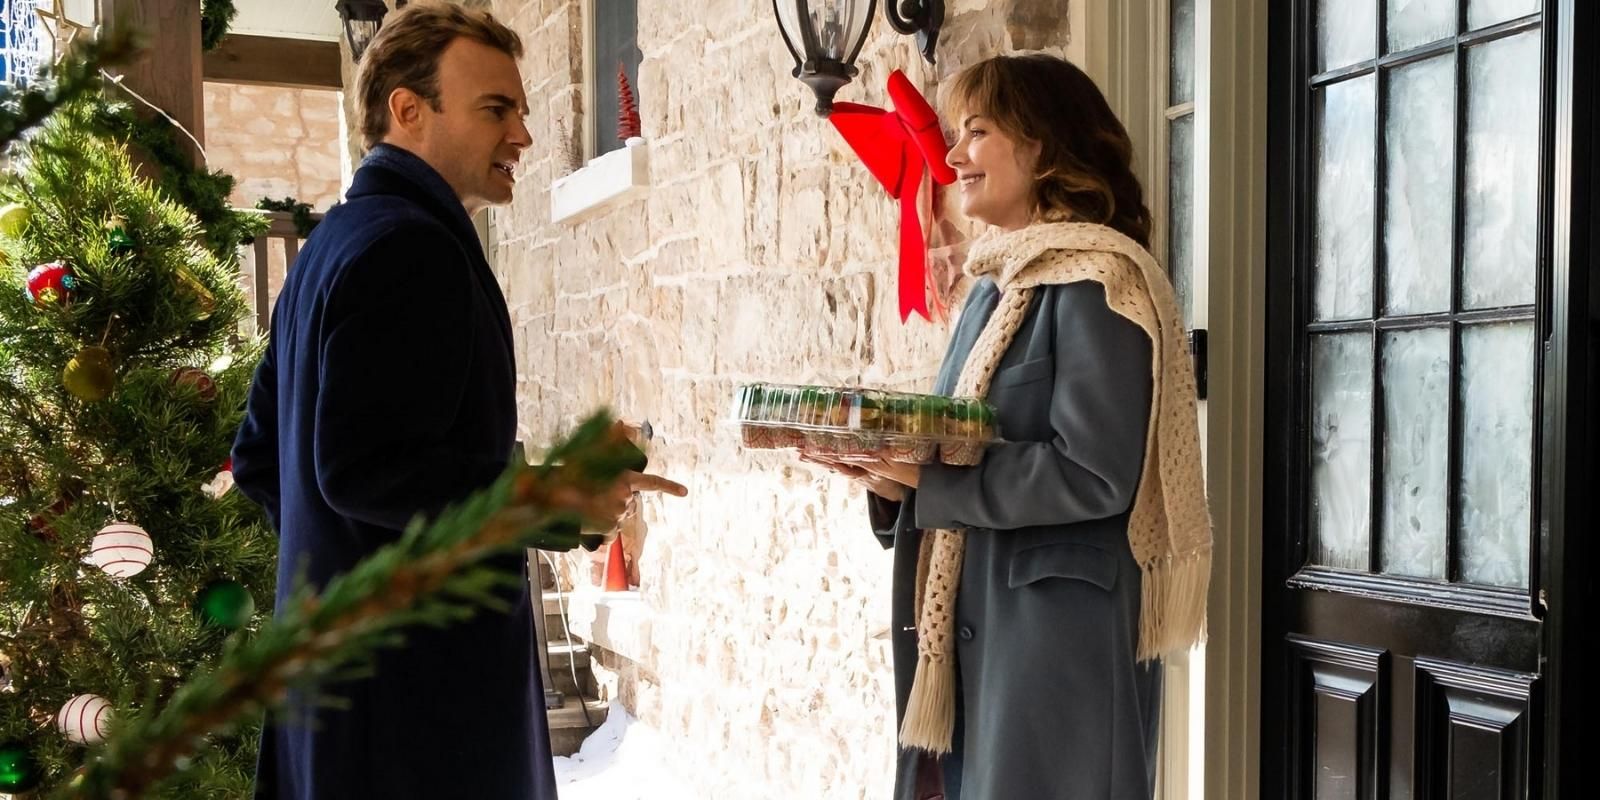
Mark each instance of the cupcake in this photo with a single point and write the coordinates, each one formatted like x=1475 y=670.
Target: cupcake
x=969 y=428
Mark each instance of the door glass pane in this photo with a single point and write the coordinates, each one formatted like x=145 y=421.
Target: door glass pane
x=1345 y=181
x=1497 y=382
x=1502 y=172
x=1182 y=89
x=1180 y=215
x=1418 y=215
x=1483 y=13
x=1416 y=446
x=1414 y=22
x=1347 y=32
x=1341 y=449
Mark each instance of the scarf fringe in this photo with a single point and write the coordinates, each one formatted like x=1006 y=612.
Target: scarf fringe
x=930 y=718
x=1172 y=604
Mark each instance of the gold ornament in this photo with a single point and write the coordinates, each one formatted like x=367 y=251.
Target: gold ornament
x=14 y=219
x=89 y=376
x=196 y=291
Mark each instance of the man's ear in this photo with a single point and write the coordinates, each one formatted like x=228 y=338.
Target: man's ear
x=405 y=109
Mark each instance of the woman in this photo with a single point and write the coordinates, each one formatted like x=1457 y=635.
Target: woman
x=1034 y=593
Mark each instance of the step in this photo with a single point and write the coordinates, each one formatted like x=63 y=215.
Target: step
x=586 y=684
x=565 y=651
x=568 y=727
x=555 y=627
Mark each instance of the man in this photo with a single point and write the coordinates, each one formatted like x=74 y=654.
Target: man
x=388 y=389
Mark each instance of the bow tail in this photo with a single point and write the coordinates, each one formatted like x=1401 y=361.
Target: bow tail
x=913 y=248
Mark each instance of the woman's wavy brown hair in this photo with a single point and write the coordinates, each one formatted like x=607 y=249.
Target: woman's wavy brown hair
x=1085 y=163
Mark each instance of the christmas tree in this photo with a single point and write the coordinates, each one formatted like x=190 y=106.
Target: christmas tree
x=124 y=563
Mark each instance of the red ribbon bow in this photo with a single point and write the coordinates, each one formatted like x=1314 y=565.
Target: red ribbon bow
x=896 y=146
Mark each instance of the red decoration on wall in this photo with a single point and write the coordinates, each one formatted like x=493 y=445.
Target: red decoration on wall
x=898 y=147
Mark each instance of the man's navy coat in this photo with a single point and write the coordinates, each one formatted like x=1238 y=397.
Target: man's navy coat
x=388 y=388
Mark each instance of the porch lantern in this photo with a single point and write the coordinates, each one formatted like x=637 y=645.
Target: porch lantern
x=824 y=36
x=920 y=17
x=362 y=18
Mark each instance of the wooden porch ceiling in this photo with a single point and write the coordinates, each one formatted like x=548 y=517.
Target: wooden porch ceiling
x=275 y=61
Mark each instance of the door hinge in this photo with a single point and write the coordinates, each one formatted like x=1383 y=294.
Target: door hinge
x=1197 y=352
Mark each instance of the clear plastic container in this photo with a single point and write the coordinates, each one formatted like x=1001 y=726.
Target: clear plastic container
x=864 y=424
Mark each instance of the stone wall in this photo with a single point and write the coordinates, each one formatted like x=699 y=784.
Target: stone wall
x=276 y=142
x=762 y=251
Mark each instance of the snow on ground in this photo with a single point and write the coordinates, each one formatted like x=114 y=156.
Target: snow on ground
x=623 y=759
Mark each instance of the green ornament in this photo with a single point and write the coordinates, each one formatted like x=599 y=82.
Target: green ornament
x=117 y=235
x=226 y=604
x=89 y=376
x=19 y=770
x=14 y=219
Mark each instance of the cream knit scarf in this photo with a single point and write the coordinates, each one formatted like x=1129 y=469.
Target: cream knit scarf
x=1170 y=526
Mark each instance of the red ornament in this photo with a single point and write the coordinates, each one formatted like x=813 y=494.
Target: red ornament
x=897 y=147
x=40 y=523
x=627 y=107
x=51 y=284
x=197 y=378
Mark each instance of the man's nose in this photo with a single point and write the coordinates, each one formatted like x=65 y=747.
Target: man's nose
x=519 y=136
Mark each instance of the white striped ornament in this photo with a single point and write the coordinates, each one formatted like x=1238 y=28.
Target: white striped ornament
x=84 y=719
x=122 y=549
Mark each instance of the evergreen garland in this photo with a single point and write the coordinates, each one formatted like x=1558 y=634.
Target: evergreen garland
x=301 y=211
x=203 y=192
x=215 y=17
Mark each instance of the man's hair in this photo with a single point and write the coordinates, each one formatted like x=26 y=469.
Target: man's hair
x=405 y=54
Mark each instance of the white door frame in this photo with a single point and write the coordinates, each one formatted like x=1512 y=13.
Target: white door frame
x=1211 y=709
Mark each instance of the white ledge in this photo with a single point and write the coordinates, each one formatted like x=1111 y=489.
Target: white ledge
x=607 y=181
x=615 y=621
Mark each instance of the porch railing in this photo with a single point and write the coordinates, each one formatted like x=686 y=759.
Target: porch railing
x=264 y=262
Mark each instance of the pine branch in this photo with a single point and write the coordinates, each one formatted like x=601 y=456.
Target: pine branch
x=435 y=574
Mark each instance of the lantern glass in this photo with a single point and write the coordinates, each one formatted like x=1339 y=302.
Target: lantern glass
x=834 y=29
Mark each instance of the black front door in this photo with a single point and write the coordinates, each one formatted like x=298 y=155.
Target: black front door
x=1423 y=359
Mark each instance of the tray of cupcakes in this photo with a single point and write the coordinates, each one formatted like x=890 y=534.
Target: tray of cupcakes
x=864 y=424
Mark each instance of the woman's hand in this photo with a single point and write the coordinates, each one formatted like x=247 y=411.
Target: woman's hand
x=878 y=485
x=903 y=474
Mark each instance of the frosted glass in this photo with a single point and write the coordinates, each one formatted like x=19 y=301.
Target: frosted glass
x=1483 y=13
x=1502 y=172
x=1180 y=216
x=1418 y=214
x=1497 y=383
x=1341 y=450
x=1416 y=448
x=1347 y=32
x=1415 y=22
x=1182 y=89
x=1345 y=180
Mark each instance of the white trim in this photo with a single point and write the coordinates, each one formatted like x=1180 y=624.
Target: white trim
x=610 y=180
x=586 y=95
x=1232 y=101
x=1127 y=53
